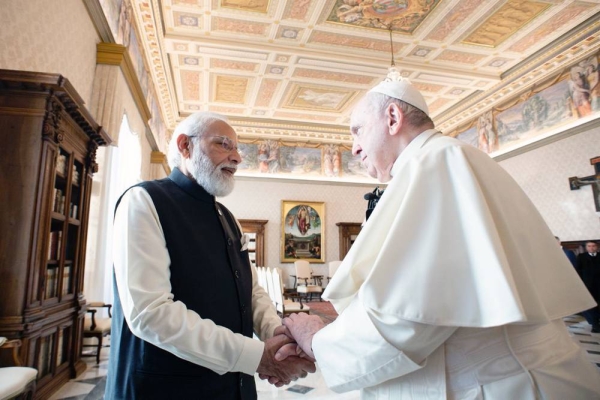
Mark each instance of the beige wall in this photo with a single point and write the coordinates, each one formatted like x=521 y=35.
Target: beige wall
x=261 y=199
x=544 y=175
x=55 y=36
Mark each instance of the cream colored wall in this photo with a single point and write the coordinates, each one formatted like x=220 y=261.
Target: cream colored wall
x=55 y=36
x=261 y=199
x=543 y=173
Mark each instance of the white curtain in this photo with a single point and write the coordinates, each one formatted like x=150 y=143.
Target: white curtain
x=119 y=168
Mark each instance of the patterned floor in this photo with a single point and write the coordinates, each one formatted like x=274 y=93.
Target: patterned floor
x=90 y=385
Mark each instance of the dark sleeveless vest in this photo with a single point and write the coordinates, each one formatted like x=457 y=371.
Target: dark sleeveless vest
x=211 y=276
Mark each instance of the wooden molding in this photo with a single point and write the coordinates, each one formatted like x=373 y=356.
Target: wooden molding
x=157 y=157
x=116 y=54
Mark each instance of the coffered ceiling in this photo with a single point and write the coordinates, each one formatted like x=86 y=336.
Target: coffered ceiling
x=296 y=68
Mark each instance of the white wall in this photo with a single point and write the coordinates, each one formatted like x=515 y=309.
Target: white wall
x=54 y=36
x=261 y=199
x=544 y=175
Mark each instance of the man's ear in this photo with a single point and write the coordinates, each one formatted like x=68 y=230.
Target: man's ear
x=183 y=145
x=394 y=118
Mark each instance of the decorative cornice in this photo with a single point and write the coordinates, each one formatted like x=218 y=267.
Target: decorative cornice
x=116 y=54
x=97 y=15
x=291 y=134
x=157 y=157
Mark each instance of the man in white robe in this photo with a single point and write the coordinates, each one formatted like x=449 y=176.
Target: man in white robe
x=455 y=288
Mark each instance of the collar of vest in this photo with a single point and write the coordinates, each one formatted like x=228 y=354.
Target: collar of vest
x=190 y=186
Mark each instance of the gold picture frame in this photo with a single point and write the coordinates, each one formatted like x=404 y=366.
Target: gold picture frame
x=302 y=231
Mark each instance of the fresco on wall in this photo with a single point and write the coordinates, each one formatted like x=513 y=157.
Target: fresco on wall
x=572 y=96
x=249 y=154
x=469 y=136
x=112 y=11
x=542 y=111
x=332 y=161
x=353 y=166
x=300 y=160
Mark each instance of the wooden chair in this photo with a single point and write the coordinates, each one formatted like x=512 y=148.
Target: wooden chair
x=284 y=306
x=16 y=382
x=96 y=327
x=304 y=273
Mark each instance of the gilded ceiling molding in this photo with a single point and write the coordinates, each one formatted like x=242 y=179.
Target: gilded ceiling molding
x=157 y=157
x=116 y=54
x=248 y=133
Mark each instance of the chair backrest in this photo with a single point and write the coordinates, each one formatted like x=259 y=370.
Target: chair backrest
x=302 y=270
x=333 y=266
x=277 y=289
x=260 y=277
x=270 y=287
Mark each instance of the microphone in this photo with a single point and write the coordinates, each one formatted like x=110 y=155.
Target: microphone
x=370 y=196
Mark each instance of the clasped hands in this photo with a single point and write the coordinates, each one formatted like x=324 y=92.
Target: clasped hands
x=288 y=354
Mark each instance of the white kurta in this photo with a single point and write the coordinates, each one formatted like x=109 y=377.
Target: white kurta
x=142 y=262
x=455 y=288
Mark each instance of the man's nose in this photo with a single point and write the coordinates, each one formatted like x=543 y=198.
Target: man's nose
x=235 y=156
x=356 y=149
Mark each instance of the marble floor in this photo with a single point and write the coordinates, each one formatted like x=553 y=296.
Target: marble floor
x=90 y=385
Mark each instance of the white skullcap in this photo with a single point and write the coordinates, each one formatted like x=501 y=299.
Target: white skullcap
x=402 y=89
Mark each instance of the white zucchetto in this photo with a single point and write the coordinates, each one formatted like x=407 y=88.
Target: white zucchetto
x=402 y=89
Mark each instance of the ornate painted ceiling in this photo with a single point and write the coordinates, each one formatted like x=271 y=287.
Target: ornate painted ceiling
x=296 y=68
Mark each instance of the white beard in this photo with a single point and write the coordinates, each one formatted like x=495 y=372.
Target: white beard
x=210 y=176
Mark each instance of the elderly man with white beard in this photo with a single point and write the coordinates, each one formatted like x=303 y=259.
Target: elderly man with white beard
x=186 y=299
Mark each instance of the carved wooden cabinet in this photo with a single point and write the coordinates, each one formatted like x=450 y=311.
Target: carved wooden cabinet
x=47 y=159
x=255 y=228
x=348 y=233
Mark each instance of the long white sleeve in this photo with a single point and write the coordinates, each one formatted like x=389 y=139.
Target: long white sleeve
x=362 y=348
x=142 y=269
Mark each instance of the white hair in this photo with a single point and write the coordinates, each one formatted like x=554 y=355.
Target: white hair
x=195 y=125
x=413 y=115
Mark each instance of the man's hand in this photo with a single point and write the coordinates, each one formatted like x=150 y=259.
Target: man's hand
x=283 y=372
x=302 y=328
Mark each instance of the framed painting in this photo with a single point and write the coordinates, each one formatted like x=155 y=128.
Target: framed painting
x=302 y=231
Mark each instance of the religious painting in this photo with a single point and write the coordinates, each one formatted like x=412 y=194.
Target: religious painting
x=469 y=136
x=353 y=166
x=487 y=139
x=112 y=10
x=294 y=160
x=302 y=231
x=332 y=161
x=249 y=154
x=260 y=6
x=400 y=15
x=540 y=112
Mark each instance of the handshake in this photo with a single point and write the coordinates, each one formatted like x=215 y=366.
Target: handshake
x=288 y=354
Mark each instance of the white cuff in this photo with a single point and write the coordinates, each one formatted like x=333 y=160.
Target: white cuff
x=250 y=356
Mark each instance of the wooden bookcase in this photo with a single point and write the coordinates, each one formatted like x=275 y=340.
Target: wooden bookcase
x=255 y=228
x=47 y=159
x=348 y=233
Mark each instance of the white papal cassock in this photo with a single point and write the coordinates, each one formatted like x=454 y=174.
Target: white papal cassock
x=455 y=288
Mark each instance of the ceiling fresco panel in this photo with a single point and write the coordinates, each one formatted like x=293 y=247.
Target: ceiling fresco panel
x=505 y=22
x=190 y=85
x=238 y=26
x=352 y=41
x=332 y=76
x=304 y=117
x=298 y=9
x=303 y=96
x=229 y=89
x=243 y=66
x=402 y=16
x=266 y=92
x=187 y=20
x=258 y=6
x=192 y=3
x=459 y=14
x=460 y=57
x=555 y=23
